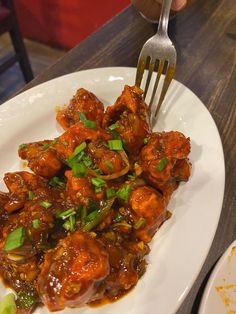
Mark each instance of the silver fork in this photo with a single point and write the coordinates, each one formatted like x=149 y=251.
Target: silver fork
x=156 y=52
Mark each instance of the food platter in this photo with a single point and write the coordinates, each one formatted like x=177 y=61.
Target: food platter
x=180 y=247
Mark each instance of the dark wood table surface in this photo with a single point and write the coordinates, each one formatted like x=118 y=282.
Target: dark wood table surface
x=205 y=37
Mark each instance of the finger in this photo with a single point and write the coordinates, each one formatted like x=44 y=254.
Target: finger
x=176 y=5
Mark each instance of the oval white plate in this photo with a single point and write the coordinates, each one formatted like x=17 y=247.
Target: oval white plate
x=220 y=293
x=180 y=247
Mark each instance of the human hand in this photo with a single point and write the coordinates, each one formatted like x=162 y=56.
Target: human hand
x=151 y=9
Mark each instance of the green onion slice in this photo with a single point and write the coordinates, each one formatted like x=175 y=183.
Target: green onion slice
x=7 y=304
x=113 y=126
x=22 y=146
x=36 y=223
x=83 y=215
x=98 y=189
x=15 y=239
x=93 y=215
x=46 y=204
x=87 y=123
x=131 y=177
x=78 y=150
x=69 y=225
x=65 y=143
x=110 y=193
x=90 y=124
x=108 y=164
x=45 y=146
x=145 y=140
x=82 y=116
x=138 y=224
x=122 y=224
x=124 y=192
x=115 y=145
x=31 y=195
x=67 y=213
x=98 y=182
x=56 y=181
x=162 y=164
x=79 y=169
x=102 y=213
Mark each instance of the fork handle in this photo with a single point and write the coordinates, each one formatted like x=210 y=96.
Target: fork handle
x=164 y=17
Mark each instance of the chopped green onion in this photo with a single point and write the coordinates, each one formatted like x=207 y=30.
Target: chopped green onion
x=145 y=140
x=45 y=204
x=122 y=225
x=79 y=169
x=110 y=193
x=98 y=170
x=90 y=124
x=115 y=145
x=113 y=126
x=45 y=146
x=31 y=195
x=87 y=123
x=161 y=165
x=87 y=160
x=102 y=213
x=108 y=164
x=36 y=223
x=93 y=215
x=15 y=239
x=160 y=147
x=78 y=150
x=22 y=146
x=98 y=189
x=7 y=304
x=69 y=224
x=138 y=224
x=67 y=213
x=82 y=117
x=56 y=181
x=83 y=215
x=65 y=143
x=124 y=192
x=131 y=177
x=115 y=134
x=98 y=182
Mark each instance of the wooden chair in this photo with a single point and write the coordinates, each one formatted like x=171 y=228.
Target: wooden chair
x=8 y=23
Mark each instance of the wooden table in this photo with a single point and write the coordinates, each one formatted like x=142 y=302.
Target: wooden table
x=205 y=38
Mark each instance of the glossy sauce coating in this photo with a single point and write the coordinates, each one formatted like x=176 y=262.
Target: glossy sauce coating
x=97 y=195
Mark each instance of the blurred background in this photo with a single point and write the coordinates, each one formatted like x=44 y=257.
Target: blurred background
x=49 y=28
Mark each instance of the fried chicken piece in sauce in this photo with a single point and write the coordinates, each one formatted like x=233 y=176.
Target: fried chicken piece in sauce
x=108 y=161
x=79 y=189
x=159 y=156
x=72 y=272
x=19 y=184
x=83 y=101
x=42 y=158
x=131 y=112
x=149 y=205
x=75 y=135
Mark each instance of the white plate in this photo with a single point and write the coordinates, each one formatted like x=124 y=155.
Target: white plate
x=181 y=245
x=220 y=293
